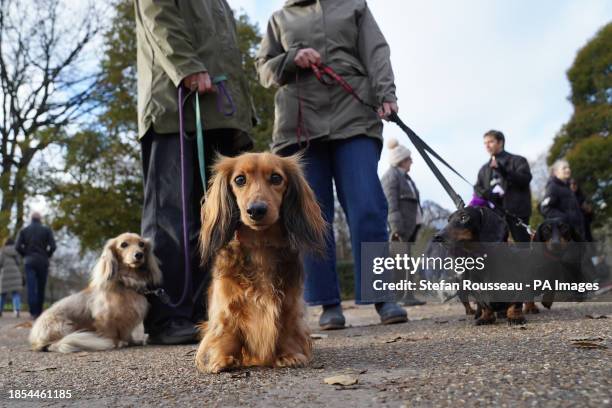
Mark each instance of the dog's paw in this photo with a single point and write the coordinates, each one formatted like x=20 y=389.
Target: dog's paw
x=220 y=364
x=291 y=360
x=547 y=305
x=517 y=320
x=482 y=322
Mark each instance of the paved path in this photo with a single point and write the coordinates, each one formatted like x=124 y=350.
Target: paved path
x=437 y=359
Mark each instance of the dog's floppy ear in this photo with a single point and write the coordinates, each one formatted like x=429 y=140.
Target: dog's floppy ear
x=155 y=275
x=493 y=228
x=301 y=214
x=220 y=214
x=576 y=237
x=107 y=266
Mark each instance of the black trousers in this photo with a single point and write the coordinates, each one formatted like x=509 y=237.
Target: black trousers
x=162 y=219
x=519 y=233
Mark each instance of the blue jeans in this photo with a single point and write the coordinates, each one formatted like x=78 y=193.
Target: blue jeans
x=15 y=296
x=352 y=164
x=36 y=276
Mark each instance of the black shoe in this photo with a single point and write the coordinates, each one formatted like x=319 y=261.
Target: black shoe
x=391 y=312
x=175 y=331
x=413 y=302
x=332 y=318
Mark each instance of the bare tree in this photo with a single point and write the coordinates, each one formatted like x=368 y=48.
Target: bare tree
x=47 y=82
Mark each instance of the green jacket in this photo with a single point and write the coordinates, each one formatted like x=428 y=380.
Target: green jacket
x=177 y=38
x=349 y=40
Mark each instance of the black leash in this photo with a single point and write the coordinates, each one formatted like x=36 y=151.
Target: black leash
x=322 y=72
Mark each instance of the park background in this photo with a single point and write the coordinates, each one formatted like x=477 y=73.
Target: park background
x=539 y=71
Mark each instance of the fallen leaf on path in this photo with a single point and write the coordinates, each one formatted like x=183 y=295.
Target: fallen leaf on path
x=36 y=369
x=317 y=336
x=190 y=352
x=589 y=345
x=6 y=365
x=587 y=339
x=24 y=325
x=440 y=321
x=398 y=338
x=342 y=379
x=596 y=316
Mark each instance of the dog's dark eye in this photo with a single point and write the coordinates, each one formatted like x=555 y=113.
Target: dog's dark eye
x=124 y=244
x=240 y=181
x=276 y=178
x=464 y=218
x=141 y=244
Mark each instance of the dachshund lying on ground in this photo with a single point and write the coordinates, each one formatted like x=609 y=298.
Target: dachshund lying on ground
x=103 y=315
x=467 y=232
x=259 y=217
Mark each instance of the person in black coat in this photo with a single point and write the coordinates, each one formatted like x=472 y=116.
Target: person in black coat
x=586 y=207
x=559 y=200
x=504 y=180
x=36 y=244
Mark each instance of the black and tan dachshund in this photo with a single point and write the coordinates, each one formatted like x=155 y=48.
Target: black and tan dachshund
x=556 y=255
x=468 y=232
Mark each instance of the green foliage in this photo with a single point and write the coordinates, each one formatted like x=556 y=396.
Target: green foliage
x=585 y=139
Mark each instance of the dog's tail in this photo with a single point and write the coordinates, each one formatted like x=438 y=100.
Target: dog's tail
x=82 y=341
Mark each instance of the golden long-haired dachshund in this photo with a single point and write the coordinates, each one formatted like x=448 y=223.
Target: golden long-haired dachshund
x=259 y=217
x=106 y=313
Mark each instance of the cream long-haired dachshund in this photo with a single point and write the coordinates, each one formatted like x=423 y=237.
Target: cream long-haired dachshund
x=106 y=313
x=259 y=217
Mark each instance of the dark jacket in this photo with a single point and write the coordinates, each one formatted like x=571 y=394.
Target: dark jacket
x=560 y=202
x=514 y=177
x=403 y=203
x=36 y=244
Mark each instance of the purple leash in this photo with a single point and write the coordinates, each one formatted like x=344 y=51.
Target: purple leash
x=163 y=295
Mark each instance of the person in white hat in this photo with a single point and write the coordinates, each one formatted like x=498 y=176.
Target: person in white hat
x=405 y=212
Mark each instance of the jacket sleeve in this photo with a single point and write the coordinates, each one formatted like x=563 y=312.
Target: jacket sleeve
x=166 y=32
x=549 y=206
x=376 y=56
x=480 y=188
x=519 y=174
x=274 y=63
x=20 y=245
x=391 y=189
x=50 y=243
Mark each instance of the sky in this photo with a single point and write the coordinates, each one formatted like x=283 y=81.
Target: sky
x=464 y=67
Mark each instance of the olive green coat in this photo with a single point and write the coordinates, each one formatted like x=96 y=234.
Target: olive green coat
x=177 y=38
x=349 y=40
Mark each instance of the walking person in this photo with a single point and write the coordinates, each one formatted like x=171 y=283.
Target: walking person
x=12 y=278
x=340 y=139
x=191 y=45
x=36 y=244
x=559 y=200
x=405 y=212
x=504 y=181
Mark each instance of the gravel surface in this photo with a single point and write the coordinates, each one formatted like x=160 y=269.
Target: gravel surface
x=437 y=359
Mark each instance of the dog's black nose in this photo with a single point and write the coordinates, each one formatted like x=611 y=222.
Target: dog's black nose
x=257 y=210
x=138 y=255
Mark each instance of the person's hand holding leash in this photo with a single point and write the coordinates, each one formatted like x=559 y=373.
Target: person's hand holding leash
x=386 y=109
x=200 y=81
x=306 y=57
